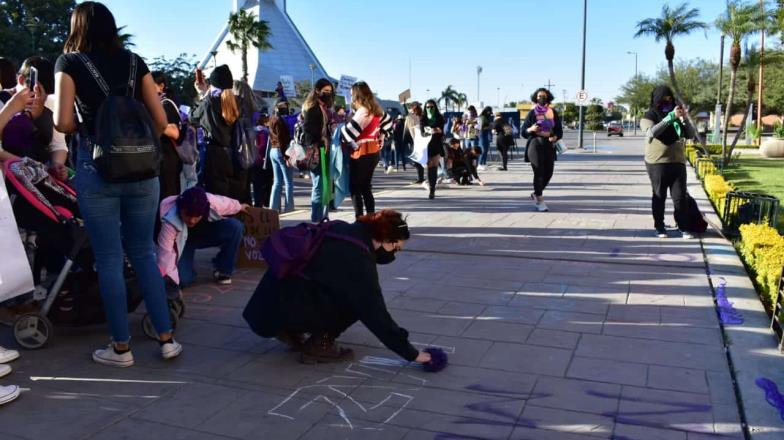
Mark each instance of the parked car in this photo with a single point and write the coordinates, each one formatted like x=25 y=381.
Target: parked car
x=614 y=128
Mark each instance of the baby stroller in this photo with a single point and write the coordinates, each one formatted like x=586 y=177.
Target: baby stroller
x=60 y=255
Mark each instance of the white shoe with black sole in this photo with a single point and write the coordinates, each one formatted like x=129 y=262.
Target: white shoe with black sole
x=107 y=356
x=171 y=350
x=8 y=393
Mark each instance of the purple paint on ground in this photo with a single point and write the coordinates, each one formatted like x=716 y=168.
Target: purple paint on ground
x=727 y=313
x=772 y=394
x=615 y=252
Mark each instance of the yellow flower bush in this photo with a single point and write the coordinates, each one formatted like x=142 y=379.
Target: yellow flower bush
x=762 y=248
x=717 y=189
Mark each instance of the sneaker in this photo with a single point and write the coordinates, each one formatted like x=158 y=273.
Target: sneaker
x=426 y=185
x=661 y=233
x=395 y=170
x=481 y=168
x=439 y=179
x=533 y=197
x=8 y=394
x=389 y=169
x=108 y=356
x=5 y=370
x=171 y=349
x=447 y=181
x=7 y=355
x=221 y=279
x=687 y=235
x=542 y=207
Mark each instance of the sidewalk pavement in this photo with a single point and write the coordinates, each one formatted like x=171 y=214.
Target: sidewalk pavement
x=571 y=324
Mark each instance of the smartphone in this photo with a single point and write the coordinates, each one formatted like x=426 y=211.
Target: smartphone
x=199 y=76
x=32 y=78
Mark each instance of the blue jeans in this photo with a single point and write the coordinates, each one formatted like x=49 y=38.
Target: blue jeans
x=469 y=143
x=484 y=142
x=317 y=211
x=225 y=234
x=121 y=217
x=284 y=176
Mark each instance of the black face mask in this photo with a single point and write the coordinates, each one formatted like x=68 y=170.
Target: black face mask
x=384 y=256
x=283 y=111
x=325 y=98
x=541 y=101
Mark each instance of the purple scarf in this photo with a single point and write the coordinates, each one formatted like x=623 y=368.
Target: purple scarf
x=545 y=125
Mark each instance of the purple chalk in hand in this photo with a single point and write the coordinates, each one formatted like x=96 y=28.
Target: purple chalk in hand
x=438 y=360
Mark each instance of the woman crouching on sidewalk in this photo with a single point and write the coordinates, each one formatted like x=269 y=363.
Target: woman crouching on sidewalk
x=339 y=286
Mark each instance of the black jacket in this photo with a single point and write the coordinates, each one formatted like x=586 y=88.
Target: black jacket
x=313 y=124
x=340 y=276
x=207 y=115
x=436 y=145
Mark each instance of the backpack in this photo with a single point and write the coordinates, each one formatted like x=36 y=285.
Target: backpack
x=508 y=130
x=187 y=146
x=244 y=143
x=126 y=148
x=288 y=251
x=695 y=222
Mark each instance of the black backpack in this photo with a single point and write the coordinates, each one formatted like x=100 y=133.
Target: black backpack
x=126 y=148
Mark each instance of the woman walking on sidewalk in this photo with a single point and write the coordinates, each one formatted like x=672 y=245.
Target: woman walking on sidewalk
x=432 y=124
x=316 y=114
x=365 y=133
x=283 y=174
x=665 y=130
x=485 y=133
x=542 y=128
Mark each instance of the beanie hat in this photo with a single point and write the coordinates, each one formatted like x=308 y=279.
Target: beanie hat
x=194 y=202
x=221 y=77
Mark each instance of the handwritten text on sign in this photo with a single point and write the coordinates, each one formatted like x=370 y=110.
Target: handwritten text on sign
x=259 y=224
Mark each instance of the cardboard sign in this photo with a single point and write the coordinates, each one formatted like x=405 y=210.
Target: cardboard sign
x=288 y=85
x=259 y=224
x=16 y=277
x=405 y=96
x=344 y=86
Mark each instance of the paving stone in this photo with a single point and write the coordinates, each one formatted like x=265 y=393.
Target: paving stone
x=677 y=379
x=666 y=410
x=132 y=429
x=527 y=358
x=553 y=338
x=467 y=352
x=576 y=395
x=664 y=332
x=498 y=331
x=521 y=315
x=635 y=432
x=567 y=421
x=571 y=322
x=675 y=354
x=600 y=370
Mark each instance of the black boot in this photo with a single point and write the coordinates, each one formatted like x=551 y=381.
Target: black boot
x=322 y=348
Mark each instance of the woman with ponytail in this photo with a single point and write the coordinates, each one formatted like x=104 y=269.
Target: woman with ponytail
x=216 y=113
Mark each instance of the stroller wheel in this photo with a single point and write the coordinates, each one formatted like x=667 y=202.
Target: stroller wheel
x=149 y=329
x=178 y=305
x=32 y=330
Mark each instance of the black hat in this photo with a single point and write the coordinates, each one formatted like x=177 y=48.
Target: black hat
x=221 y=77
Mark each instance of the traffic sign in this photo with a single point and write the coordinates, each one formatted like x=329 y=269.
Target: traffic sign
x=581 y=98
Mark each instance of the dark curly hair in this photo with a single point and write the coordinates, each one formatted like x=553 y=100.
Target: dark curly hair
x=386 y=226
x=550 y=96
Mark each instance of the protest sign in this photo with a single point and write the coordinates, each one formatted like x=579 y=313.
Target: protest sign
x=259 y=224
x=288 y=85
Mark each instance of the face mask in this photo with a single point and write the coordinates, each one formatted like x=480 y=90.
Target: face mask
x=541 y=101
x=384 y=256
x=283 y=111
x=666 y=107
x=431 y=114
x=325 y=98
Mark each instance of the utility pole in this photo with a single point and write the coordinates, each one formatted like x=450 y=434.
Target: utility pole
x=582 y=79
x=634 y=117
x=498 y=97
x=478 y=72
x=717 y=111
x=550 y=85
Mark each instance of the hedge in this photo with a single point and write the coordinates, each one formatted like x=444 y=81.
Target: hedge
x=762 y=249
x=717 y=189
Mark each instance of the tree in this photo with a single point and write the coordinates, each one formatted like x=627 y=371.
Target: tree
x=180 y=73
x=595 y=115
x=125 y=38
x=247 y=30
x=448 y=95
x=569 y=112
x=34 y=27
x=462 y=99
x=738 y=21
x=696 y=79
x=672 y=23
x=637 y=93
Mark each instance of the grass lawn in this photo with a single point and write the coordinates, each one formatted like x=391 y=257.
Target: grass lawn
x=755 y=174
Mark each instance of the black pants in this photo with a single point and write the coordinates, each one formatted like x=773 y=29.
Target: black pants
x=432 y=177
x=305 y=308
x=261 y=181
x=541 y=154
x=361 y=183
x=420 y=172
x=504 y=150
x=666 y=176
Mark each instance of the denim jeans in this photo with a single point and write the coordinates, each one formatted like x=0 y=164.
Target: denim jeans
x=484 y=142
x=121 y=217
x=225 y=234
x=284 y=177
x=317 y=211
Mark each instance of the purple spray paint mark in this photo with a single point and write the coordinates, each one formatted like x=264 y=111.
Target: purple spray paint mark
x=772 y=394
x=615 y=252
x=727 y=313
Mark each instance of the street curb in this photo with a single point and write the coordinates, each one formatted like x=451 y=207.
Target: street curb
x=751 y=346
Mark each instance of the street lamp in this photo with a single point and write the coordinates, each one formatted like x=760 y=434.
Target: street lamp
x=582 y=77
x=214 y=54
x=312 y=71
x=634 y=117
x=478 y=71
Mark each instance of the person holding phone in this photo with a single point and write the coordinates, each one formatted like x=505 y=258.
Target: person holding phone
x=542 y=128
x=666 y=129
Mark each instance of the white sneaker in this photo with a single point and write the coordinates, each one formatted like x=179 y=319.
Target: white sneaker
x=426 y=185
x=447 y=181
x=541 y=207
x=481 y=168
x=7 y=355
x=8 y=394
x=171 y=349
x=687 y=235
x=394 y=170
x=5 y=370
x=389 y=169
x=107 y=356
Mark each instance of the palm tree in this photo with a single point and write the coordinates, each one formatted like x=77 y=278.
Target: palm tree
x=462 y=99
x=448 y=95
x=247 y=30
x=125 y=38
x=672 y=23
x=738 y=22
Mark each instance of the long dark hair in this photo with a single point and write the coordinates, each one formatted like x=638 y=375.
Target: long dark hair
x=550 y=96
x=92 y=27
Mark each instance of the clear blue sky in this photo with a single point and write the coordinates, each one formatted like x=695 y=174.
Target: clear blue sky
x=521 y=44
